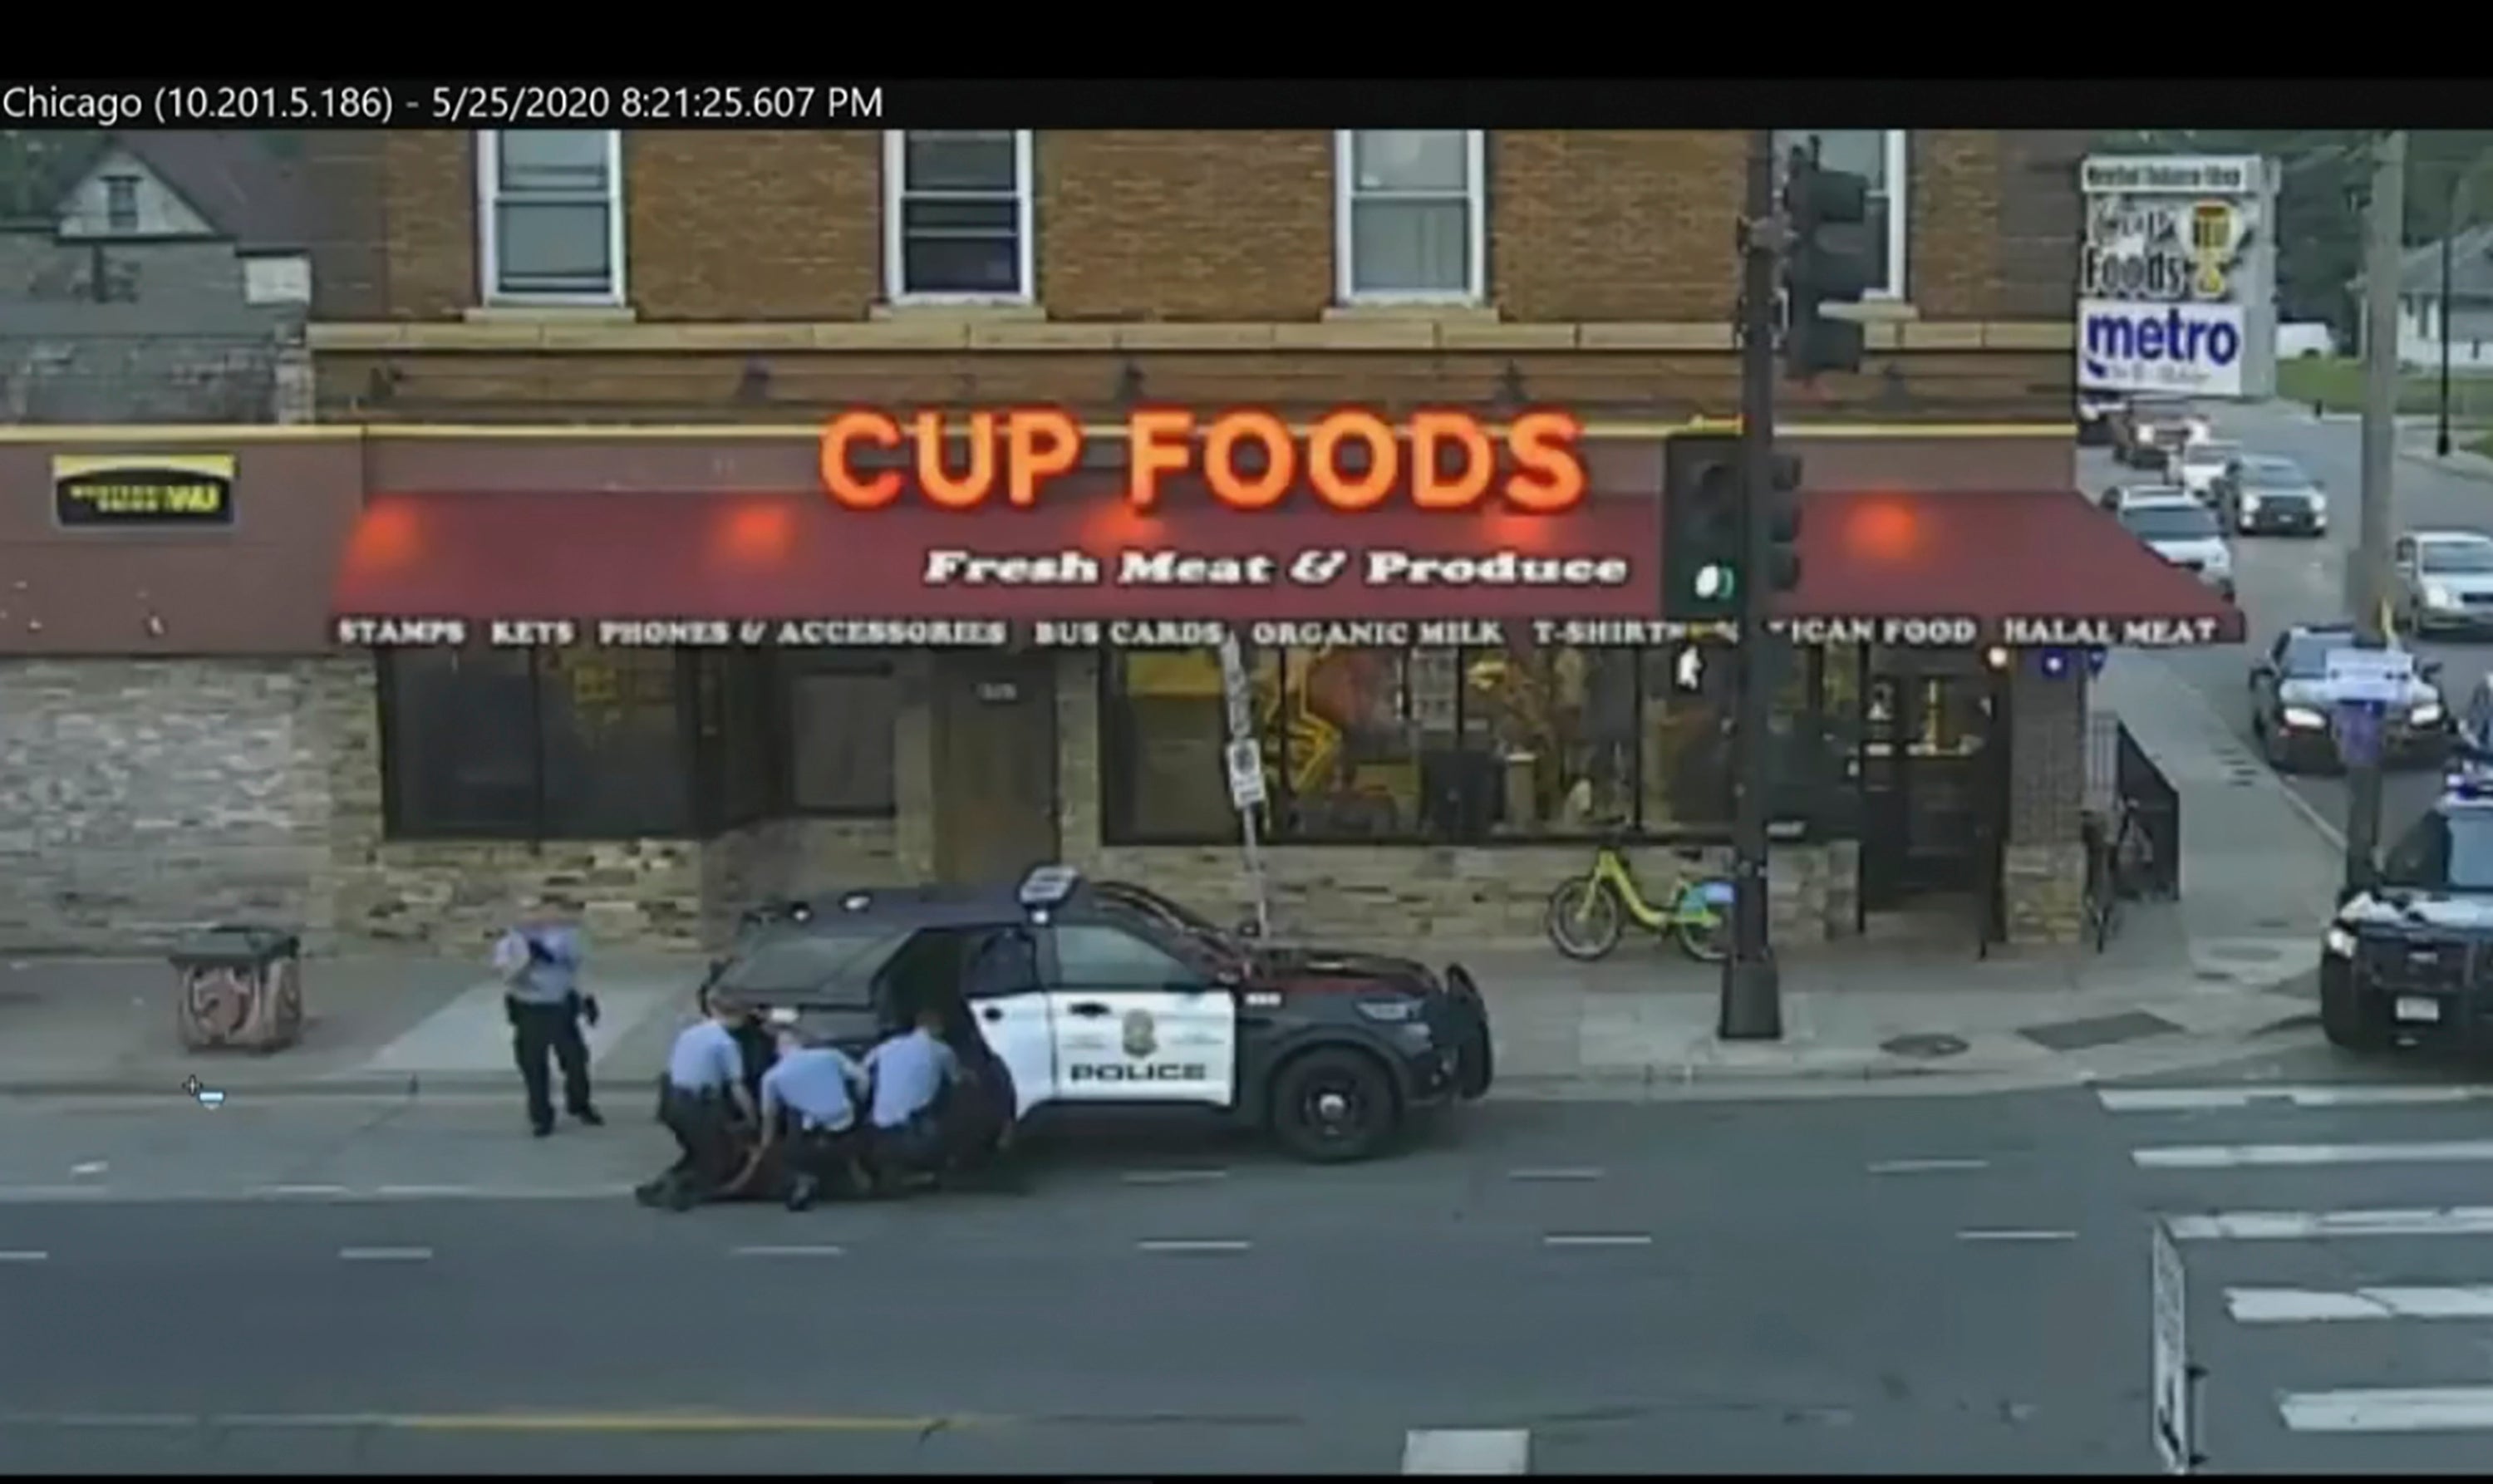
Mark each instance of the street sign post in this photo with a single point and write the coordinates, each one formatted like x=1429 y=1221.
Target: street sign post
x=1243 y=761
x=2172 y=1385
x=2385 y=676
x=2357 y=725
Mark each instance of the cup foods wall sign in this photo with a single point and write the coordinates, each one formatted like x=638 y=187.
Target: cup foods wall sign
x=2177 y=276
x=143 y=489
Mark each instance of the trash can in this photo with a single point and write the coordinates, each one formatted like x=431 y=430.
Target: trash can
x=239 y=988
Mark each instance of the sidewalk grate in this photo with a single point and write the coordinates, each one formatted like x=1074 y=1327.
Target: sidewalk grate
x=2099 y=1030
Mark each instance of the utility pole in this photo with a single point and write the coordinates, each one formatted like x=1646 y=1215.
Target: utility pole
x=1752 y=1008
x=2462 y=204
x=2382 y=252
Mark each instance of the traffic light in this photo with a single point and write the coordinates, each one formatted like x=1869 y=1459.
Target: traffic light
x=1701 y=527
x=1826 y=260
x=1783 y=527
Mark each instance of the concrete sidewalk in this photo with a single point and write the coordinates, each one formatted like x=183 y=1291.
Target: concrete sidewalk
x=2419 y=445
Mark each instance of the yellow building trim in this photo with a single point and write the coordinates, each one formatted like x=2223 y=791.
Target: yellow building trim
x=913 y=334
x=140 y=437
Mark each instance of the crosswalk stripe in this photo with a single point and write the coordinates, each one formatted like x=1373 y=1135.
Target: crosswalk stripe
x=2241 y=1156
x=2307 y=1226
x=2132 y=1100
x=2417 y=1410
x=1467 y=1450
x=2305 y=1306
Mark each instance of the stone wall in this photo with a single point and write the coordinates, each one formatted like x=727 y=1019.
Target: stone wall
x=2044 y=869
x=144 y=797
x=1478 y=893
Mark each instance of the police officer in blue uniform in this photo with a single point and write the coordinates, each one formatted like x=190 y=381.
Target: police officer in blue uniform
x=911 y=1071
x=540 y=960
x=704 y=1103
x=810 y=1116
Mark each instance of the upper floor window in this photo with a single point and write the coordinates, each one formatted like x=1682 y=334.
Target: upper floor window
x=1878 y=156
x=956 y=216
x=551 y=214
x=121 y=203
x=1410 y=216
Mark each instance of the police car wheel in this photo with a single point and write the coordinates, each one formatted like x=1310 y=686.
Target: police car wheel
x=1334 y=1105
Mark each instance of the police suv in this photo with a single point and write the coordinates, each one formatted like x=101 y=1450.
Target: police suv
x=2405 y=961
x=1084 y=993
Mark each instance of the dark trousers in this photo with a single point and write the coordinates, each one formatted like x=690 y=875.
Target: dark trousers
x=537 y=1030
x=913 y=1147
x=711 y=1149
x=831 y=1160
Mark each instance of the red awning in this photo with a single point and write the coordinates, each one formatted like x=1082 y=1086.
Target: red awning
x=2029 y=568
x=2014 y=566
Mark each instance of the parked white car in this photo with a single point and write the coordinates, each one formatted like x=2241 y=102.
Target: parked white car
x=2185 y=533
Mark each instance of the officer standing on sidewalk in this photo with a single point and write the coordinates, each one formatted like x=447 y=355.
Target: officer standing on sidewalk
x=539 y=961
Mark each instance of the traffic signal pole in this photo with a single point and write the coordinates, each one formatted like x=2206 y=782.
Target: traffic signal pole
x=1752 y=1008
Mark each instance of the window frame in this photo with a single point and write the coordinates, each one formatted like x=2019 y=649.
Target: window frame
x=790 y=671
x=895 y=236
x=489 y=220
x=113 y=186
x=1895 y=168
x=1346 y=196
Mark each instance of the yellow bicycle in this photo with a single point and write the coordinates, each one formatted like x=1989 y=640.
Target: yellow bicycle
x=1588 y=914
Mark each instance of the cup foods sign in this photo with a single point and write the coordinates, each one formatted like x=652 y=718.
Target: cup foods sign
x=2177 y=276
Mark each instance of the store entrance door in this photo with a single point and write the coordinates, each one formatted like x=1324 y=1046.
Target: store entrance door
x=995 y=765
x=1929 y=821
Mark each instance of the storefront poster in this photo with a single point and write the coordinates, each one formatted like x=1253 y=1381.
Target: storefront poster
x=142 y=490
x=2177 y=276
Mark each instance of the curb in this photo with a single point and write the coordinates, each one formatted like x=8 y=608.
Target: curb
x=2451 y=467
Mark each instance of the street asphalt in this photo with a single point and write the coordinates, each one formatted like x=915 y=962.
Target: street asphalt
x=1879 y=1285
x=2283 y=580
x=1638 y=1289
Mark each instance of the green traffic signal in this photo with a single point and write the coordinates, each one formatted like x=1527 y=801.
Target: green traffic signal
x=1717 y=583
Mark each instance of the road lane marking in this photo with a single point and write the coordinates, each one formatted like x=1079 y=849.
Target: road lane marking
x=1172 y=1176
x=1927 y=1166
x=1193 y=1244
x=2015 y=1235
x=23 y=1255
x=507 y=1422
x=815 y=1251
x=386 y=1254
x=2198 y=1099
x=2304 y=1226
x=300 y=1189
x=1598 y=1239
x=89 y=1167
x=423 y=1192
x=2307 y=1306
x=2417 y=1410
x=1467 y=1450
x=1575 y=1172
x=2270 y=1156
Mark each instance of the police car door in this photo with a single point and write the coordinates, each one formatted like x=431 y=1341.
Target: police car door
x=1133 y=1023
x=1008 y=1004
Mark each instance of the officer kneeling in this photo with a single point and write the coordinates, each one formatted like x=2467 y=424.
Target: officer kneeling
x=809 y=1118
x=911 y=1071
x=704 y=1104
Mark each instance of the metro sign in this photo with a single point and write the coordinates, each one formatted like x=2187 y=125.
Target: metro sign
x=1353 y=459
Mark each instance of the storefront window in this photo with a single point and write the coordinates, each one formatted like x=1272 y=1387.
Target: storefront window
x=1520 y=742
x=841 y=715
x=558 y=744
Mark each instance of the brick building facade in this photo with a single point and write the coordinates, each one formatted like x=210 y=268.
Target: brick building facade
x=660 y=322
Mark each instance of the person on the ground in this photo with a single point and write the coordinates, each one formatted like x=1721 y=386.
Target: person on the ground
x=704 y=1103
x=539 y=960
x=809 y=1118
x=910 y=1073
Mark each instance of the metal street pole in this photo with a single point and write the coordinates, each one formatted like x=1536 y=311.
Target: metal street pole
x=1752 y=1008
x=2381 y=255
x=2460 y=205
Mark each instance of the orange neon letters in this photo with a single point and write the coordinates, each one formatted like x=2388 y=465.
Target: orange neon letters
x=1350 y=460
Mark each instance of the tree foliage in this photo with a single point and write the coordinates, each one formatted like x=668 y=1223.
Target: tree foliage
x=37 y=166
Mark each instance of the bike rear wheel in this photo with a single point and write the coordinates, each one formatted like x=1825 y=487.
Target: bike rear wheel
x=1585 y=919
x=1708 y=938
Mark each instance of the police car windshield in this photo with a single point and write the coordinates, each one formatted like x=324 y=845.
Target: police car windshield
x=1160 y=911
x=827 y=960
x=2447 y=851
x=2168 y=522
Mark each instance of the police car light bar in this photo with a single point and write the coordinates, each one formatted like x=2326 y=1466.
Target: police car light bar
x=1049 y=885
